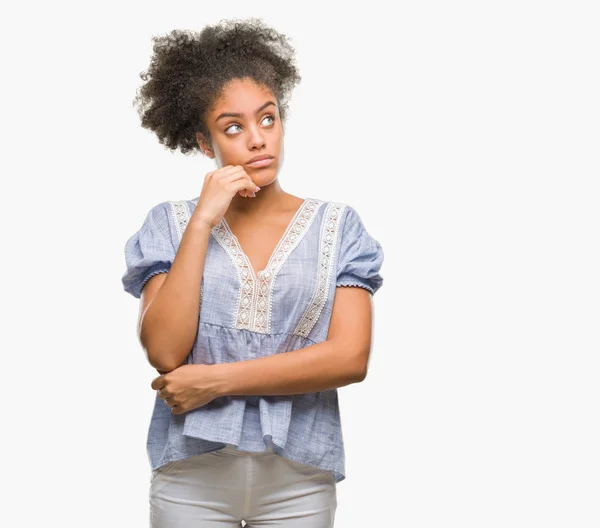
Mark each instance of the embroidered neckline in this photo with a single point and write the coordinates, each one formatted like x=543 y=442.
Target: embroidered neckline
x=253 y=310
x=288 y=235
x=328 y=241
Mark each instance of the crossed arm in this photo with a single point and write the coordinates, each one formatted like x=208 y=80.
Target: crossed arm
x=340 y=360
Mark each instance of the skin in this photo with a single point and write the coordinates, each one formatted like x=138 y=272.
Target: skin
x=259 y=221
x=234 y=140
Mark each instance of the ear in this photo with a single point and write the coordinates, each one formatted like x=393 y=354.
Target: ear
x=204 y=145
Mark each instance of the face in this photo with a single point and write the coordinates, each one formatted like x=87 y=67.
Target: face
x=245 y=123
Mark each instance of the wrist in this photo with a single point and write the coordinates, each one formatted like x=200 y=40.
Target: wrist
x=219 y=379
x=198 y=223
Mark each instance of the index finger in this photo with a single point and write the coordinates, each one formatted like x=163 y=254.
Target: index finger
x=158 y=383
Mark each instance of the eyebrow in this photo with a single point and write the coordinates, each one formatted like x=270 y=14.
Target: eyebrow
x=233 y=114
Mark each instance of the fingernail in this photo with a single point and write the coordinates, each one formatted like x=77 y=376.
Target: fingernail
x=257 y=188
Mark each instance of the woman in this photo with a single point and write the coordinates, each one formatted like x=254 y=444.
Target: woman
x=244 y=309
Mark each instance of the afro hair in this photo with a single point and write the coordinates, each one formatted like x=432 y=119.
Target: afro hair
x=188 y=72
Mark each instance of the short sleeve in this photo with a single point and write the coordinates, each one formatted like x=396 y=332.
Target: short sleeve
x=149 y=251
x=360 y=256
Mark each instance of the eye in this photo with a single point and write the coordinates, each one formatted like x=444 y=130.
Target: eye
x=236 y=125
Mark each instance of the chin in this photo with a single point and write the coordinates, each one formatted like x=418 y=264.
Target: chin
x=263 y=177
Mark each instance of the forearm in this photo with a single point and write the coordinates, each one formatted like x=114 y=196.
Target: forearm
x=315 y=368
x=169 y=324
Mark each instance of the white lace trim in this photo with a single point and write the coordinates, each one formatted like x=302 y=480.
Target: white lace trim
x=245 y=303
x=327 y=247
x=355 y=285
x=255 y=299
x=181 y=215
x=266 y=278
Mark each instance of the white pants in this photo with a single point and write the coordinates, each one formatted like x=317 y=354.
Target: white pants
x=223 y=488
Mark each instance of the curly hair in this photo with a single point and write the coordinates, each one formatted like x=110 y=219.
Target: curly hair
x=188 y=72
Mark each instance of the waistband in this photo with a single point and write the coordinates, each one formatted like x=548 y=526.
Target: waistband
x=232 y=449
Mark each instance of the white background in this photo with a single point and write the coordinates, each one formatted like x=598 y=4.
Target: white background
x=465 y=134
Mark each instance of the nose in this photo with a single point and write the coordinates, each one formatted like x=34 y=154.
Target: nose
x=257 y=139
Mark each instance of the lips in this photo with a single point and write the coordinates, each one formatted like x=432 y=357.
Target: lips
x=260 y=161
x=259 y=158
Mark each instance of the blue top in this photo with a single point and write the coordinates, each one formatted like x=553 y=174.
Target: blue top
x=245 y=315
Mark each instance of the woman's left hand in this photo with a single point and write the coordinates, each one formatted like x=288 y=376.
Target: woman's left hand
x=186 y=388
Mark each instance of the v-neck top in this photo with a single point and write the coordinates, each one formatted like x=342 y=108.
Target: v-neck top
x=278 y=246
x=245 y=315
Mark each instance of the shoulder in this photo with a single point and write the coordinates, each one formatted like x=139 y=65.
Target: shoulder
x=329 y=207
x=337 y=217
x=344 y=213
x=351 y=226
x=162 y=219
x=172 y=211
